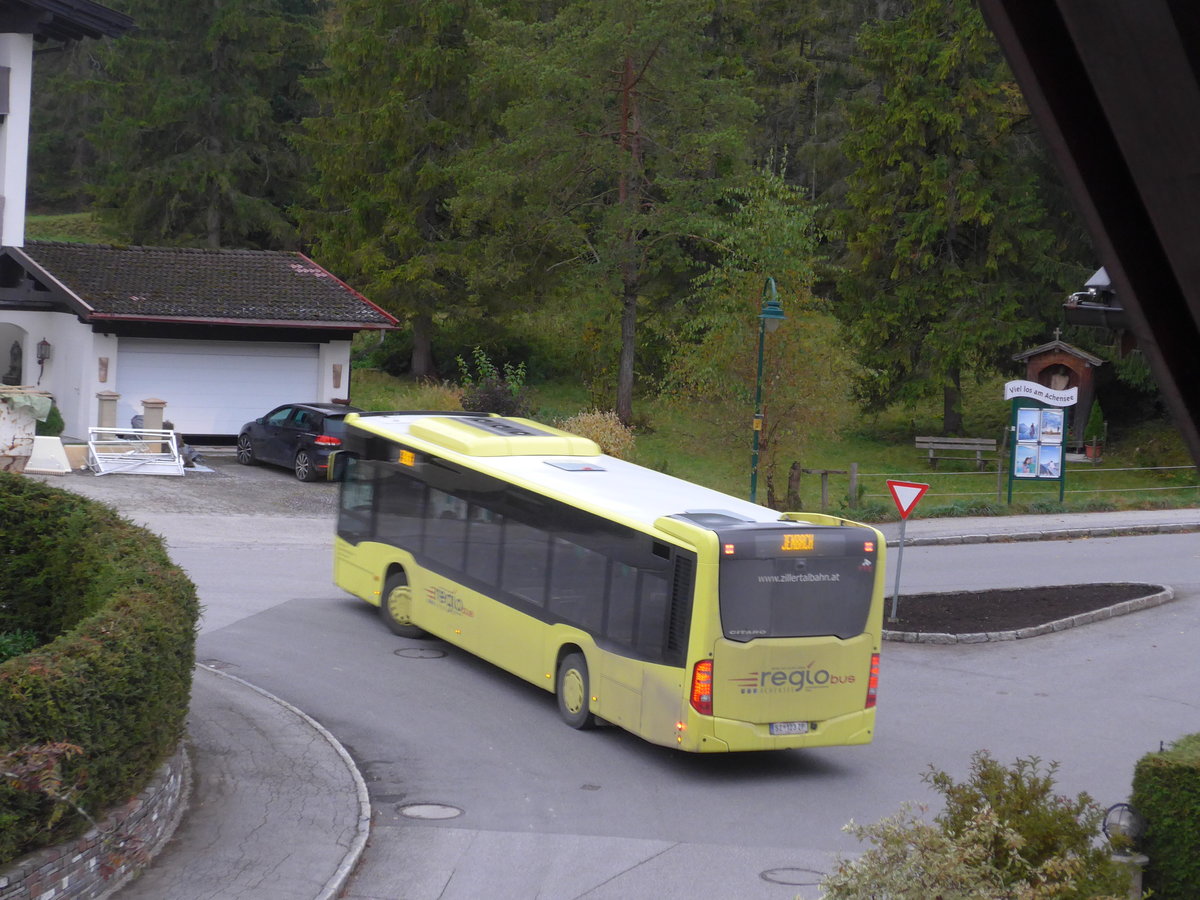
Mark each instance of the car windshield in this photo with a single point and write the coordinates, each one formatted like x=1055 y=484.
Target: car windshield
x=335 y=426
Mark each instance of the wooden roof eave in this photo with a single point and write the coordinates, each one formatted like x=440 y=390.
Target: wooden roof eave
x=59 y=292
x=309 y=324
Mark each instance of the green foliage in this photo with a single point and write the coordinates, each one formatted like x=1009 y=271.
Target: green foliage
x=913 y=860
x=953 y=259
x=115 y=620
x=1004 y=834
x=14 y=643
x=394 y=118
x=1050 y=825
x=69 y=227
x=603 y=427
x=53 y=425
x=1166 y=792
x=1094 y=430
x=491 y=389
x=620 y=124
x=376 y=391
x=198 y=106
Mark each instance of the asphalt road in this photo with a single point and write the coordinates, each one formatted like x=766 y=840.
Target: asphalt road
x=540 y=810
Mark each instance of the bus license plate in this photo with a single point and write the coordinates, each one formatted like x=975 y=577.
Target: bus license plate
x=778 y=728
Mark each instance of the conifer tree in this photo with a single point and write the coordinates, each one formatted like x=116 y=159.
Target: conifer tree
x=197 y=107
x=394 y=115
x=953 y=262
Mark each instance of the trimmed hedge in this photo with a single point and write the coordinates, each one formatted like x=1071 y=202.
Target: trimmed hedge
x=1166 y=792
x=116 y=622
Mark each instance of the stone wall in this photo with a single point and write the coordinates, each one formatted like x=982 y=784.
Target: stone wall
x=97 y=864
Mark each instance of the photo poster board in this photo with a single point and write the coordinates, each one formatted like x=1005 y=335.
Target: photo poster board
x=1038 y=432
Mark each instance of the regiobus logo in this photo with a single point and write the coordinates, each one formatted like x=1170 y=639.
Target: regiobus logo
x=779 y=681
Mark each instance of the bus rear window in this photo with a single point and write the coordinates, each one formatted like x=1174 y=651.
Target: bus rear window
x=824 y=590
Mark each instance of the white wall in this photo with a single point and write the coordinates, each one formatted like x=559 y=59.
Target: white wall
x=16 y=52
x=329 y=355
x=73 y=353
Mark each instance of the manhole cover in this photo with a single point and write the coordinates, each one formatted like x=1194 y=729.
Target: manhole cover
x=430 y=811
x=793 y=877
x=420 y=653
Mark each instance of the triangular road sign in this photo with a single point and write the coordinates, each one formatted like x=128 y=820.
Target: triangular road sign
x=906 y=494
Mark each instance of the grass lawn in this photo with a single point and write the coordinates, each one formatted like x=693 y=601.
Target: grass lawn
x=82 y=228
x=691 y=440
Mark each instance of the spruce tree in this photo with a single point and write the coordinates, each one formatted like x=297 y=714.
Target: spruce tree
x=197 y=107
x=394 y=115
x=621 y=124
x=953 y=262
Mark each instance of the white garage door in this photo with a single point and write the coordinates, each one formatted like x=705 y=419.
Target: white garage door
x=213 y=387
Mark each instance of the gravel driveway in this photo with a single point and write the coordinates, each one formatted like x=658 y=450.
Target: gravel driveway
x=219 y=487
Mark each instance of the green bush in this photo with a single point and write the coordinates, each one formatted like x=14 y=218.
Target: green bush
x=492 y=389
x=115 y=620
x=53 y=426
x=1094 y=430
x=1166 y=792
x=14 y=643
x=1004 y=833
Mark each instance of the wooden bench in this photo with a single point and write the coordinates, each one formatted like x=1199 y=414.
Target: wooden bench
x=978 y=446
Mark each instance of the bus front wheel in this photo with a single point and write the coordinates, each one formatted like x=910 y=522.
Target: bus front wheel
x=396 y=607
x=573 y=692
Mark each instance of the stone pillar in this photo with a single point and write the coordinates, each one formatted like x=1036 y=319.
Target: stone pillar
x=107 y=416
x=152 y=418
x=152 y=413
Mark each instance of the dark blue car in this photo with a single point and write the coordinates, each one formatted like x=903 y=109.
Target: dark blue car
x=298 y=436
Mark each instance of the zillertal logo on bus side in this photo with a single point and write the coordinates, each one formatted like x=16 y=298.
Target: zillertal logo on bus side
x=447 y=601
x=788 y=681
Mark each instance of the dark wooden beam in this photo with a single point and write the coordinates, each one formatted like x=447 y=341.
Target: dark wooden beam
x=1114 y=87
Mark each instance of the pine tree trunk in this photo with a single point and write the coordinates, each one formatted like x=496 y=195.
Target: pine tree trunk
x=952 y=413
x=422 y=352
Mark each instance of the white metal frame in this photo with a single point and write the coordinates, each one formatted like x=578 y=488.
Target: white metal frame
x=134 y=451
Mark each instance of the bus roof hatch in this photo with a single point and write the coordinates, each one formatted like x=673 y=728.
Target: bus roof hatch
x=497 y=436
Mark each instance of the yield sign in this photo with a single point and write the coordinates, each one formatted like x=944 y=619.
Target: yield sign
x=906 y=494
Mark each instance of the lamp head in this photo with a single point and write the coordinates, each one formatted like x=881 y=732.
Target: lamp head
x=772 y=310
x=1123 y=825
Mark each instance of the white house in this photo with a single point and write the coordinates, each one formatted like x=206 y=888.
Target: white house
x=221 y=336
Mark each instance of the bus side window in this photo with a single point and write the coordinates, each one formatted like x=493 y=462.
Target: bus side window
x=653 y=610
x=485 y=534
x=446 y=529
x=622 y=604
x=577 y=577
x=526 y=555
x=401 y=510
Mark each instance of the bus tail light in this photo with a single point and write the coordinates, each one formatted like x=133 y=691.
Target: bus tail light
x=873 y=681
x=702 y=687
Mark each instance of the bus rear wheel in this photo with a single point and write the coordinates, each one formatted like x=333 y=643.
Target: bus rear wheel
x=396 y=607
x=573 y=690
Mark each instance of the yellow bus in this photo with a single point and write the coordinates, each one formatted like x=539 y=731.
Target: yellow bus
x=689 y=617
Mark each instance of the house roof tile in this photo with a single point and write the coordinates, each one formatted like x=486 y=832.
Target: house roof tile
x=194 y=284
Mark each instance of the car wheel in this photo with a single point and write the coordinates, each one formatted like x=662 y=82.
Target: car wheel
x=395 y=607
x=573 y=691
x=306 y=470
x=245 y=451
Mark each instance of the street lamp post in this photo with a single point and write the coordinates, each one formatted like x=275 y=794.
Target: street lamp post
x=768 y=320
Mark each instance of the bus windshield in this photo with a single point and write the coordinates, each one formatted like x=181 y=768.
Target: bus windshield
x=795 y=581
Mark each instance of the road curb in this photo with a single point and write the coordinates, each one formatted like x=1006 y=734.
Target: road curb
x=337 y=881
x=1060 y=534
x=1163 y=595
